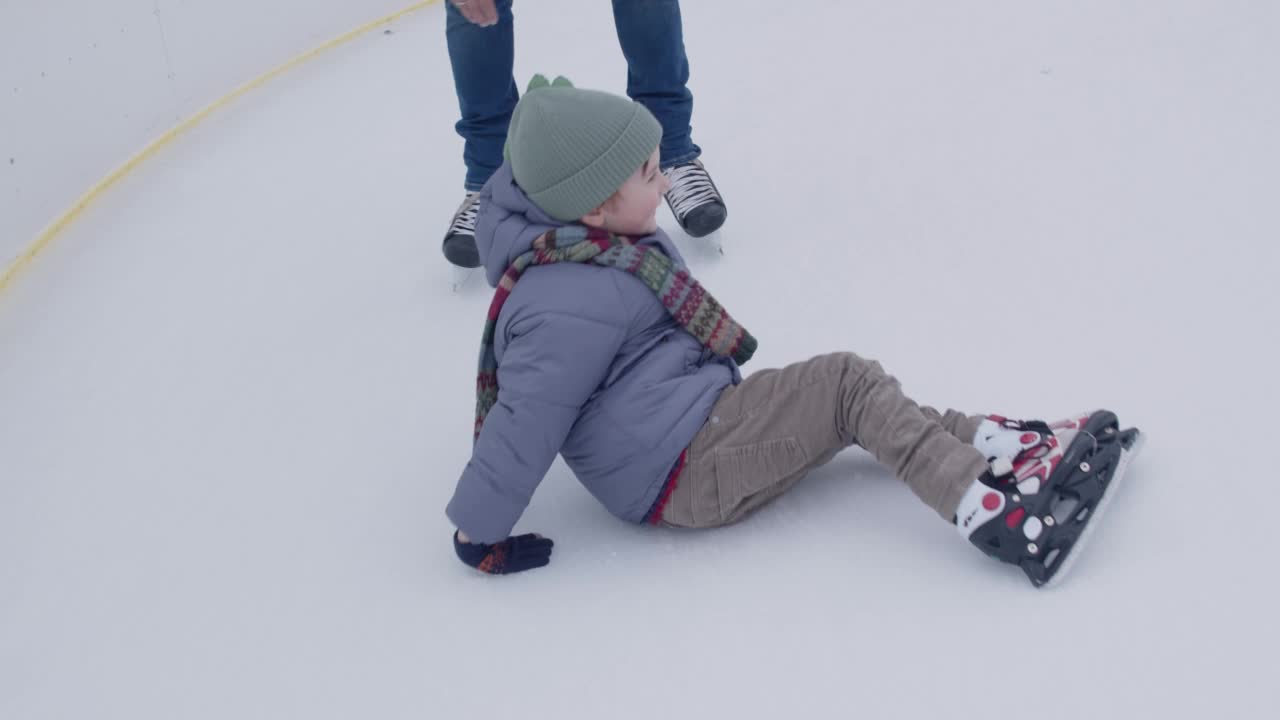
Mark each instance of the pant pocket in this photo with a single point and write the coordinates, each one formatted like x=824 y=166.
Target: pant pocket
x=746 y=474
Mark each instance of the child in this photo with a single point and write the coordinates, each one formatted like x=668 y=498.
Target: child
x=600 y=347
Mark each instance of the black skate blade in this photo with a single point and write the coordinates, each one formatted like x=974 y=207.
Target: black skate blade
x=1130 y=442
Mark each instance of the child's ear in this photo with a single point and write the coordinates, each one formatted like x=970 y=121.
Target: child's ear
x=595 y=218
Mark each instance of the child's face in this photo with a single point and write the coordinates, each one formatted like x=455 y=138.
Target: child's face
x=633 y=209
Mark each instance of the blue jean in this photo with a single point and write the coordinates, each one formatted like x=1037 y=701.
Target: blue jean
x=652 y=39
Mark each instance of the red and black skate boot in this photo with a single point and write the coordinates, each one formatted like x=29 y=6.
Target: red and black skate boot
x=1036 y=510
x=1001 y=437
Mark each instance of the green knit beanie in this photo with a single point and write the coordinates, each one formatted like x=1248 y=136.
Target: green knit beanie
x=570 y=149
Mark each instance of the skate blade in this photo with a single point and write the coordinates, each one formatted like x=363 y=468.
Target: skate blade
x=1117 y=479
x=460 y=276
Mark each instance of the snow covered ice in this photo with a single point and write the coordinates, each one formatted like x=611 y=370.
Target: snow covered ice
x=236 y=395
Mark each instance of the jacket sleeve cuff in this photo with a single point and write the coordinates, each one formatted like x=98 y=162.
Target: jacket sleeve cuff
x=484 y=516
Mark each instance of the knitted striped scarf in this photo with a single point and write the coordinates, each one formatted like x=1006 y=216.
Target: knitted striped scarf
x=684 y=297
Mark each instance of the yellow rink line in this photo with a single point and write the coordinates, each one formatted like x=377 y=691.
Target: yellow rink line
x=69 y=216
